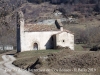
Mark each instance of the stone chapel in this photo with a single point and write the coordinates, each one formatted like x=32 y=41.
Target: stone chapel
x=42 y=37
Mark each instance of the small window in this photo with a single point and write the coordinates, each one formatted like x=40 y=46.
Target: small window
x=63 y=40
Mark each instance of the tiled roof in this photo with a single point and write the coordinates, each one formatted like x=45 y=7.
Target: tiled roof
x=38 y=28
x=64 y=31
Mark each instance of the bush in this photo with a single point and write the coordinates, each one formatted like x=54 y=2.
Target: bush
x=95 y=48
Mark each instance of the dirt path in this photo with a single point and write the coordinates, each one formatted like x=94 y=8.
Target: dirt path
x=6 y=67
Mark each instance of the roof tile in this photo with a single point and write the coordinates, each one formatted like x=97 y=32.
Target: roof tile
x=38 y=28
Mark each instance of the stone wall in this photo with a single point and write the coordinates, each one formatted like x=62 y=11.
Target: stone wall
x=6 y=47
x=43 y=39
x=65 y=39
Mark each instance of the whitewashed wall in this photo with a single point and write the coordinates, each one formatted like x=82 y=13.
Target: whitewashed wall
x=65 y=39
x=41 y=38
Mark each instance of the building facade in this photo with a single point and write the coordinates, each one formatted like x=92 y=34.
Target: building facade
x=42 y=37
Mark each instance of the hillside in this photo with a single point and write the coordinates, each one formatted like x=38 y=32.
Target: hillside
x=84 y=12
x=63 y=62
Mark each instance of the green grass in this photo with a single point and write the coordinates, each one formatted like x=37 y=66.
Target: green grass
x=27 y=58
x=35 y=53
x=78 y=47
x=24 y=59
x=1 y=58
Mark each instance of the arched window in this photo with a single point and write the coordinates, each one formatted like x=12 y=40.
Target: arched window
x=35 y=46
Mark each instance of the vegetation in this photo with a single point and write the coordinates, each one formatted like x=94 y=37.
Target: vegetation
x=55 y=59
x=88 y=10
x=25 y=59
x=86 y=31
x=83 y=11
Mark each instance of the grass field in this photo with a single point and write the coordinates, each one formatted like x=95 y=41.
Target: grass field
x=0 y=57
x=24 y=59
x=36 y=53
x=78 y=47
x=29 y=57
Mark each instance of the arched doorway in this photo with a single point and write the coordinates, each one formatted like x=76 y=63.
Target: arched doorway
x=35 y=47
